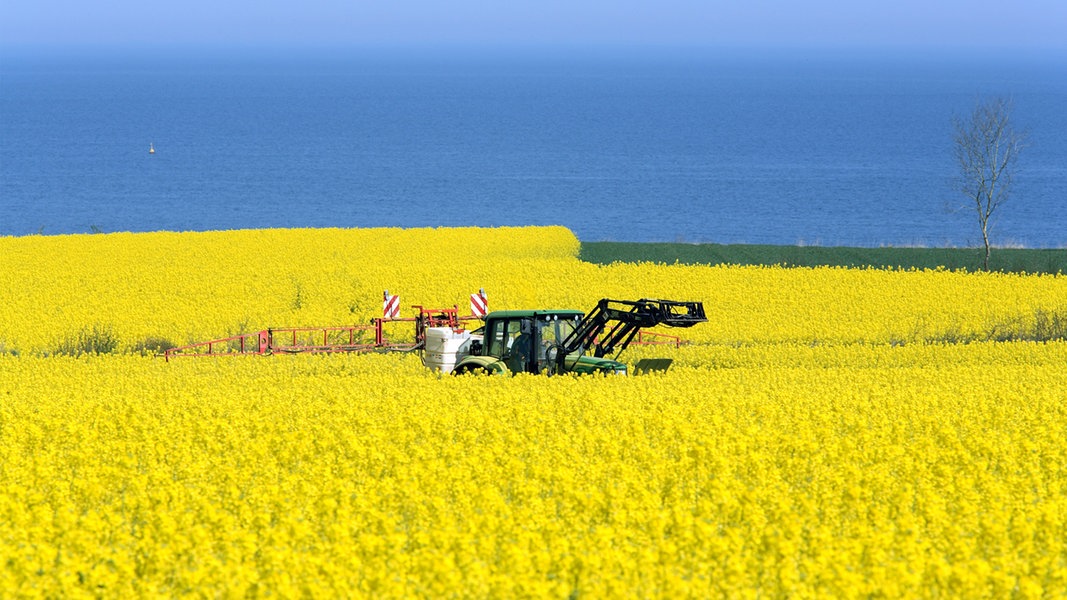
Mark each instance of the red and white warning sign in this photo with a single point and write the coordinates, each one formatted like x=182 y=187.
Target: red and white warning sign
x=390 y=305
x=479 y=304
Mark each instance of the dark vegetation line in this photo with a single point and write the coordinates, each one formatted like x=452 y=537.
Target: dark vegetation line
x=1006 y=260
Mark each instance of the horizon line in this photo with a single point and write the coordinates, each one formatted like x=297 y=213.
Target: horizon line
x=497 y=51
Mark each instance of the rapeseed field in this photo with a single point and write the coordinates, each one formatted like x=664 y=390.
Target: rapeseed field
x=828 y=433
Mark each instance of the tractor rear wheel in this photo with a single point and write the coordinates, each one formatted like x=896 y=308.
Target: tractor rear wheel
x=472 y=370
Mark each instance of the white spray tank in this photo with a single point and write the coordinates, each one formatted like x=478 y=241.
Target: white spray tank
x=445 y=347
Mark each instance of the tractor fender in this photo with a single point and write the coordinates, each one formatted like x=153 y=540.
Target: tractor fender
x=481 y=364
x=588 y=365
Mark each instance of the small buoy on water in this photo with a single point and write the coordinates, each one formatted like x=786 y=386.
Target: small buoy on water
x=151 y=148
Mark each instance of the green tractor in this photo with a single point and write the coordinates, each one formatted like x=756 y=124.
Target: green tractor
x=559 y=341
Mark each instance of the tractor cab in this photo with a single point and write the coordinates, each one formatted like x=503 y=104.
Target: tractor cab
x=523 y=340
x=529 y=341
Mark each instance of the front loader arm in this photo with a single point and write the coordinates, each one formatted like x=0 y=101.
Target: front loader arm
x=626 y=318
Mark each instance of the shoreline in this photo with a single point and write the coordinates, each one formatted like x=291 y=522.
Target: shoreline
x=1009 y=259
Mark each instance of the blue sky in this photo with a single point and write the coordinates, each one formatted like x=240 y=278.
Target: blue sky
x=1024 y=25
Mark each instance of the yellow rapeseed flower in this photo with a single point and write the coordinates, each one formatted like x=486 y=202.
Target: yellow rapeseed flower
x=828 y=433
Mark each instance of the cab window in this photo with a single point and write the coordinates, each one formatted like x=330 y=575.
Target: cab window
x=502 y=335
x=494 y=338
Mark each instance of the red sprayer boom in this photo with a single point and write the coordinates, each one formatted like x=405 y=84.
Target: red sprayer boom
x=377 y=336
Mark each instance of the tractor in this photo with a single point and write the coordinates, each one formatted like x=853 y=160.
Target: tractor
x=553 y=341
x=557 y=341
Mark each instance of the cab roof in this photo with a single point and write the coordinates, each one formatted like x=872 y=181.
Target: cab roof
x=525 y=314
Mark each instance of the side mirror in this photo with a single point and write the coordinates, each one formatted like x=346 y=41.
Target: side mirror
x=551 y=364
x=476 y=347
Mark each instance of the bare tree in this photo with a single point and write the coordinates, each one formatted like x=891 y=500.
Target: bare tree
x=987 y=148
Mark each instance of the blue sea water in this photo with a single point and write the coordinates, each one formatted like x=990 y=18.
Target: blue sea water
x=709 y=148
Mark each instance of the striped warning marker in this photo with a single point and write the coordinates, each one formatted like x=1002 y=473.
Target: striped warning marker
x=479 y=304
x=390 y=305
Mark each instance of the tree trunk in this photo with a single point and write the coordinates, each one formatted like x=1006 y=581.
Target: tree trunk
x=985 y=238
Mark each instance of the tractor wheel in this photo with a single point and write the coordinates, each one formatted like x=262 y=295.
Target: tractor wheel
x=472 y=370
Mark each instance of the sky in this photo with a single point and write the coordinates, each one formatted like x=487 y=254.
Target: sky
x=1023 y=25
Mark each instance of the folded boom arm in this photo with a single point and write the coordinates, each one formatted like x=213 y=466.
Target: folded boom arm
x=613 y=324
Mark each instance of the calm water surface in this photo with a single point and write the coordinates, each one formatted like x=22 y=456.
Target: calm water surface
x=699 y=149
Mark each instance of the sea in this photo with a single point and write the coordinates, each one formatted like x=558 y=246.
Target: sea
x=832 y=149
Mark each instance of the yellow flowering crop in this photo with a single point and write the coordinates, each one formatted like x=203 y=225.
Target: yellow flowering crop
x=189 y=287
x=820 y=436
